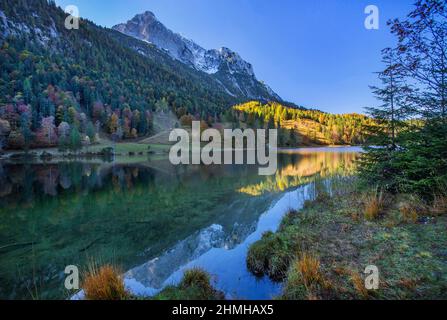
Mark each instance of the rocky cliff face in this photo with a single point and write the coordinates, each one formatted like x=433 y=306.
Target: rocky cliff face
x=235 y=75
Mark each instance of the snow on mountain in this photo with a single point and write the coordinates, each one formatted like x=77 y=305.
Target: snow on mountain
x=231 y=71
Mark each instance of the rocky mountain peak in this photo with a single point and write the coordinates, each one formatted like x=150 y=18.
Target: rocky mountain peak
x=234 y=73
x=148 y=14
x=235 y=63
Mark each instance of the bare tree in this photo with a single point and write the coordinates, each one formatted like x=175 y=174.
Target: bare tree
x=422 y=53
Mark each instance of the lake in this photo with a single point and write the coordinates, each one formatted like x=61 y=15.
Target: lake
x=150 y=218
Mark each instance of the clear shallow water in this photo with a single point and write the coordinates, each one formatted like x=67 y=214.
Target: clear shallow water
x=152 y=219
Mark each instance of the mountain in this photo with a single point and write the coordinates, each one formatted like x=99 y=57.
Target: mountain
x=90 y=79
x=228 y=69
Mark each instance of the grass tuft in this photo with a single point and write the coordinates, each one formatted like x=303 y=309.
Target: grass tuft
x=374 y=204
x=309 y=268
x=196 y=276
x=305 y=279
x=195 y=285
x=359 y=284
x=439 y=205
x=411 y=207
x=269 y=256
x=408 y=212
x=104 y=283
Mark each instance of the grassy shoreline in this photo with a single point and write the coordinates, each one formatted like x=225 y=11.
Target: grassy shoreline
x=321 y=252
x=125 y=150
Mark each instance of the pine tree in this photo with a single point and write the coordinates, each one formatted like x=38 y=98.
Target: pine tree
x=395 y=95
x=25 y=130
x=413 y=160
x=75 y=139
x=27 y=91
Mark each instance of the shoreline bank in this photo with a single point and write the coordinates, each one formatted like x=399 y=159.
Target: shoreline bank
x=322 y=251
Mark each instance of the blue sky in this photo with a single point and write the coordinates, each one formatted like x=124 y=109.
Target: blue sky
x=315 y=53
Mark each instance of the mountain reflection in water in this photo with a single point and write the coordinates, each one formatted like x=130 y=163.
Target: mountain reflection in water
x=150 y=218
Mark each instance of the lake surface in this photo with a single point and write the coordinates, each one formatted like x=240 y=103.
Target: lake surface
x=152 y=219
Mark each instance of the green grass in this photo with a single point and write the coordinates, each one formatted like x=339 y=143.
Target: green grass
x=270 y=256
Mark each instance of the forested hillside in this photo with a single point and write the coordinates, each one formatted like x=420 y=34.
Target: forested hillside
x=62 y=86
x=298 y=126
